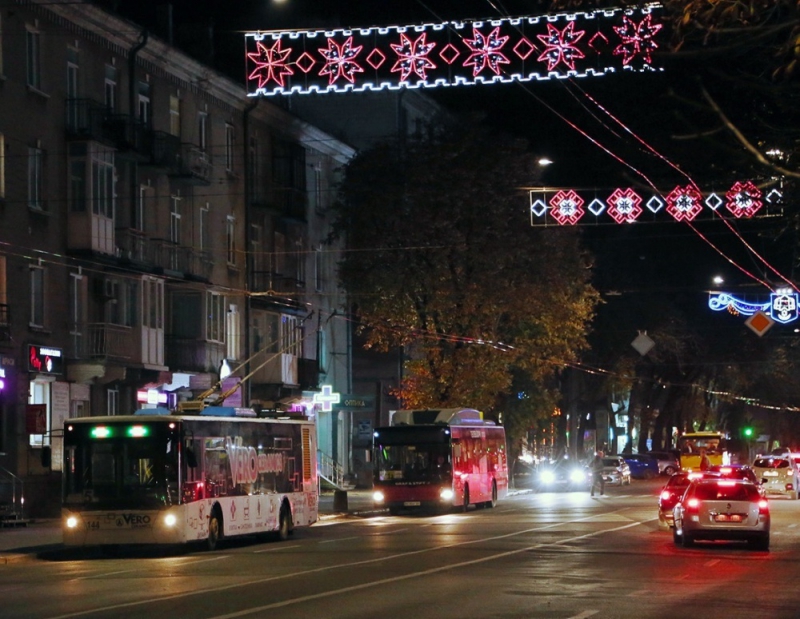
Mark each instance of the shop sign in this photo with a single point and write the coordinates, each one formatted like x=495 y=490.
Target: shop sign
x=45 y=359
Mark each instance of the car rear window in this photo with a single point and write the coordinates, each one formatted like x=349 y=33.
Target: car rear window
x=771 y=463
x=719 y=492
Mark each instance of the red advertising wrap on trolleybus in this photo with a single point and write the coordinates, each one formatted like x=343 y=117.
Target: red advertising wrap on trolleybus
x=439 y=459
x=176 y=478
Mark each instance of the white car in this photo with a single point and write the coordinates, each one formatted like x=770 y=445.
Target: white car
x=616 y=471
x=778 y=475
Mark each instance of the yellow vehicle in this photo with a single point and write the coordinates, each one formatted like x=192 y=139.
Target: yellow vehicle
x=694 y=445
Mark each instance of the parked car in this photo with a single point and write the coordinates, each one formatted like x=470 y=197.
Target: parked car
x=616 y=471
x=668 y=462
x=642 y=466
x=562 y=475
x=721 y=509
x=778 y=475
x=670 y=494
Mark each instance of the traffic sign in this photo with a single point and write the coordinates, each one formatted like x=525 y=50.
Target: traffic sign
x=643 y=343
x=759 y=323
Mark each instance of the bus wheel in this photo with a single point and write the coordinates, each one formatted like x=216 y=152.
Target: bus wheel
x=493 y=502
x=214 y=529
x=284 y=524
x=465 y=506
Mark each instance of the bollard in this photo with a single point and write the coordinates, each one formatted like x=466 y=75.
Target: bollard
x=340 y=501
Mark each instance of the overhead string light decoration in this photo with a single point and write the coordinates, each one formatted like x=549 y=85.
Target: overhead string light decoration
x=510 y=49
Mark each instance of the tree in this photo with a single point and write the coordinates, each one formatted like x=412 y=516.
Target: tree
x=442 y=260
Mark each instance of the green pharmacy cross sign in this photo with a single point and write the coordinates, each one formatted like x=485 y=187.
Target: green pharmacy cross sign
x=454 y=53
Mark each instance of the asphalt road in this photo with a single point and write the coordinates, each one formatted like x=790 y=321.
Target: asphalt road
x=548 y=555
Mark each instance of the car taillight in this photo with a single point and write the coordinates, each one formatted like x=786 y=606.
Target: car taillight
x=763 y=506
x=666 y=495
x=789 y=486
x=692 y=505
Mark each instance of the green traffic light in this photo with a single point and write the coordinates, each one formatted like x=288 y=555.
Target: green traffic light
x=748 y=432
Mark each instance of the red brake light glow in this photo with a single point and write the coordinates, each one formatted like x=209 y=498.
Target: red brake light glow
x=763 y=506
x=727 y=484
x=665 y=494
x=692 y=505
x=726 y=470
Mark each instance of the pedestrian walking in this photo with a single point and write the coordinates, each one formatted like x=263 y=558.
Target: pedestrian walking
x=597 y=473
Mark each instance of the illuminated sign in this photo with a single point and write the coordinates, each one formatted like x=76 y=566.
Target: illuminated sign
x=2 y=379
x=151 y=396
x=45 y=360
x=328 y=397
x=782 y=306
x=454 y=53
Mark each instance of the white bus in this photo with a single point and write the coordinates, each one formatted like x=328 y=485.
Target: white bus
x=175 y=478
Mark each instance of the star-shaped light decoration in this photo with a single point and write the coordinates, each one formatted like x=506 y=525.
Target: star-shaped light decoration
x=624 y=205
x=270 y=64
x=744 y=199
x=485 y=51
x=566 y=207
x=340 y=60
x=560 y=46
x=413 y=57
x=637 y=39
x=684 y=203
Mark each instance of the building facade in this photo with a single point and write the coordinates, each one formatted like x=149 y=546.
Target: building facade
x=163 y=239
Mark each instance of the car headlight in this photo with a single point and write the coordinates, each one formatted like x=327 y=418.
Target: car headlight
x=577 y=476
x=446 y=494
x=170 y=520
x=378 y=496
x=72 y=522
x=548 y=477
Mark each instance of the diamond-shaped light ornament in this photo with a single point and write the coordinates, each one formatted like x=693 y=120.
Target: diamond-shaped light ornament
x=713 y=201
x=624 y=205
x=655 y=204
x=684 y=203
x=566 y=207
x=596 y=207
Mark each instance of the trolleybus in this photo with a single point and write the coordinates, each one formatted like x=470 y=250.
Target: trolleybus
x=175 y=478
x=692 y=445
x=439 y=459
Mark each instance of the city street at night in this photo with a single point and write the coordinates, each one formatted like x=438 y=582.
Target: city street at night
x=536 y=555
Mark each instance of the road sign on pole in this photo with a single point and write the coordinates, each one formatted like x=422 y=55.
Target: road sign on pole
x=759 y=323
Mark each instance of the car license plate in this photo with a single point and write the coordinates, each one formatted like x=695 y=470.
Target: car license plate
x=770 y=473
x=411 y=503
x=728 y=518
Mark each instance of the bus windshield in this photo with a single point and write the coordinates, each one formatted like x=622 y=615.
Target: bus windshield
x=112 y=468
x=419 y=462
x=695 y=443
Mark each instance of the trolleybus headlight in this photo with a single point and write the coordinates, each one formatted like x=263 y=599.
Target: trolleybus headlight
x=577 y=476
x=446 y=494
x=72 y=522
x=170 y=520
x=377 y=496
x=548 y=477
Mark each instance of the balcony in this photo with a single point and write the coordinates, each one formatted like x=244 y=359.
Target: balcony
x=133 y=245
x=131 y=137
x=308 y=374
x=192 y=355
x=85 y=119
x=286 y=202
x=180 y=258
x=269 y=281
x=280 y=369
x=105 y=341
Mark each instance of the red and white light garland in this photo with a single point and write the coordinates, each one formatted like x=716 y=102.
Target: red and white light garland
x=452 y=53
x=566 y=206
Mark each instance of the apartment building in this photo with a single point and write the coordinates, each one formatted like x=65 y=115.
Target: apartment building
x=160 y=235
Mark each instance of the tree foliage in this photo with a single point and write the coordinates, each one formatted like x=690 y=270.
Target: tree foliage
x=443 y=261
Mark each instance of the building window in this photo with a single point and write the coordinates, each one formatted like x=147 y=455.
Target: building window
x=202 y=131
x=316 y=191
x=215 y=317
x=319 y=266
x=229 y=135
x=111 y=88
x=256 y=252
x=230 y=236
x=33 y=60
x=77 y=304
x=142 y=205
x=37 y=296
x=175 y=219
x=152 y=303
x=39 y=393
x=204 y=245
x=233 y=335
x=112 y=401
x=174 y=115
x=35 y=182
x=144 y=103
x=91 y=178
x=252 y=172
x=2 y=165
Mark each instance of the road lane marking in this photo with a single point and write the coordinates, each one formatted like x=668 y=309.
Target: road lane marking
x=711 y=563
x=182 y=564
x=318 y=570
x=281 y=547
x=584 y=614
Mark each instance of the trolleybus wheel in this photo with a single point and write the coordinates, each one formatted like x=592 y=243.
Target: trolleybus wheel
x=284 y=523
x=214 y=530
x=465 y=506
x=493 y=502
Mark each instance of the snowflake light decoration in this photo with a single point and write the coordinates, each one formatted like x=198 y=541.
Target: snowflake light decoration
x=624 y=205
x=270 y=64
x=744 y=199
x=566 y=207
x=684 y=203
x=637 y=39
x=560 y=46
x=413 y=57
x=340 y=60
x=485 y=51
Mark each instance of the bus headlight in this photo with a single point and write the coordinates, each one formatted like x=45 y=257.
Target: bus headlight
x=378 y=497
x=170 y=520
x=446 y=494
x=548 y=477
x=72 y=522
x=577 y=476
